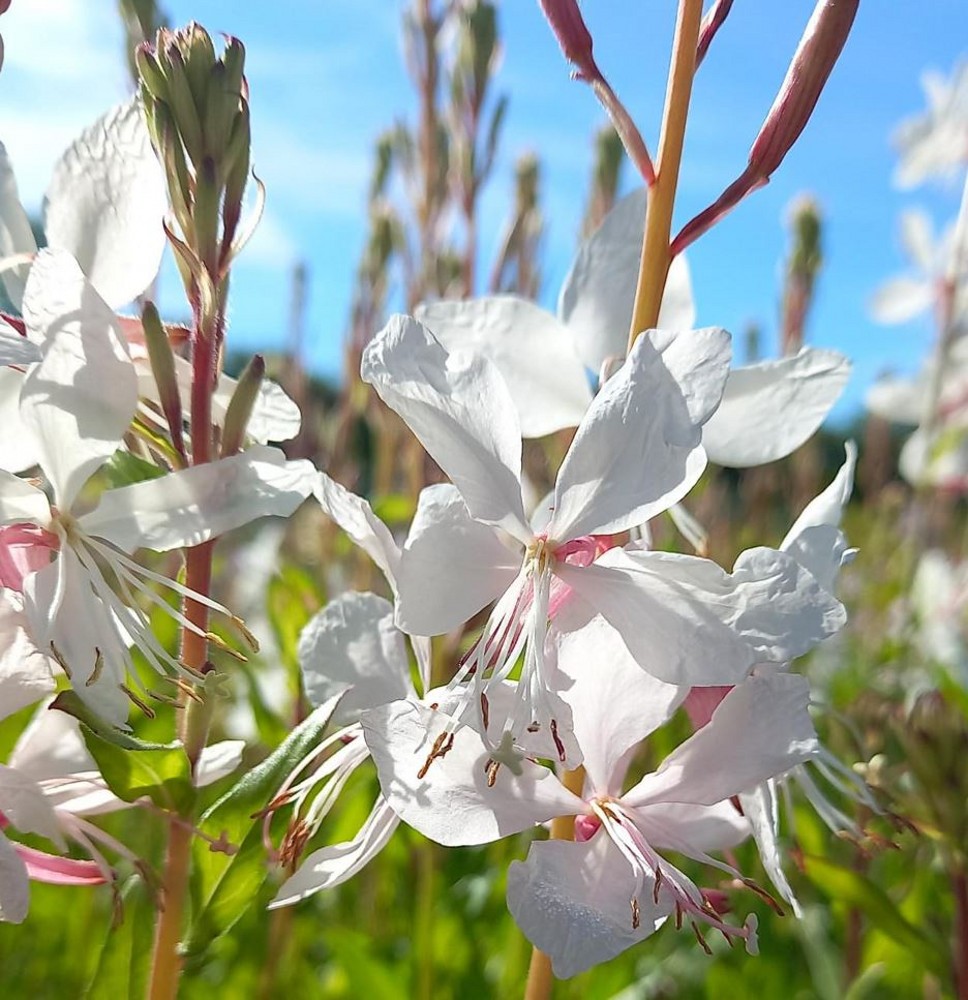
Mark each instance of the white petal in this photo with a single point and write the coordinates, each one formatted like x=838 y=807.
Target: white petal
x=190 y=506
x=23 y=803
x=918 y=239
x=79 y=401
x=14 y=884
x=599 y=291
x=815 y=540
x=759 y=805
x=355 y=516
x=941 y=461
x=761 y=729
x=15 y=349
x=899 y=400
x=106 y=204
x=331 y=866
x=275 y=416
x=18 y=452
x=532 y=350
x=703 y=828
x=460 y=408
x=902 y=298
x=352 y=645
x=63 y=610
x=614 y=702
x=217 y=761
x=637 y=450
x=51 y=747
x=16 y=236
x=22 y=501
x=452 y=803
x=687 y=621
x=769 y=409
x=573 y=902
x=25 y=672
x=452 y=566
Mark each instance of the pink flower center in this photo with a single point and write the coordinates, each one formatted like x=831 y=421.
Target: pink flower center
x=24 y=549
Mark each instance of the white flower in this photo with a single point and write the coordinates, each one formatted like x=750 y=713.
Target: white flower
x=583 y=903
x=77 y=404
x=935 y=144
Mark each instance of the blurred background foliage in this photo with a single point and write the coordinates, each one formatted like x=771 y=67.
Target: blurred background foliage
x=883 y=917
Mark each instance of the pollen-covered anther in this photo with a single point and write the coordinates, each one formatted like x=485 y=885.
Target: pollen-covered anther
x=559 y=746
x=636 y=914
x=138 y=702
x=704 y=944
x=491 y=767
x=98 y=667
x=294 y=842
x=540 y=554
x=441 y=747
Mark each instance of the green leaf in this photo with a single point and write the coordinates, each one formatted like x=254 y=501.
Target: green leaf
x=854 y=889
x=161 y=773
x=224 y=886
x=70 y=702
x=124 y=963
x=125 y=469
x=395 y=508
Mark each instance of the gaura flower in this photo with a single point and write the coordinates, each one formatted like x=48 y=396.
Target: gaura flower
x=77 y=404
x=636 y=452
x=585 y=902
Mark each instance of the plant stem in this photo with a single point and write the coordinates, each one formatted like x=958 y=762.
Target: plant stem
x=196 y=714
x=960 y=952
x=654 y=266
x=540 y=978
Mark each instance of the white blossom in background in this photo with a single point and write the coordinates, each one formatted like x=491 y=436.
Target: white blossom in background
x=934 y=144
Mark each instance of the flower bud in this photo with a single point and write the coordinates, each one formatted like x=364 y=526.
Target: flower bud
x=711 y=23
x=818 y=51
x=572 y=34
x=162 y=361
x=241 y=405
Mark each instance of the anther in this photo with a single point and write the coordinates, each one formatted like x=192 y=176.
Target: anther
x=635 y=914
x=441 y=746
x=559 y=746
x=98 y=667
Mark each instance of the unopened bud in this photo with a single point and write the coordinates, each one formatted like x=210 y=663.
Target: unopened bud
x=162 y=361
x=241 y=405
x=152 y=77
x=711 y=23
x=572 y=34
x=818 y=51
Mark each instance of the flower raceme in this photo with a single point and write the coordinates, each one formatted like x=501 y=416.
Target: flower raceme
x=636 y=452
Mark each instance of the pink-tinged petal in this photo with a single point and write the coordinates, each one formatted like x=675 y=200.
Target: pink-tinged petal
x=452 y=803
x=23 y=804
x=16 y=349
x=355 y=516
x=461 y=410
x=815 y=540
x=532 y=350
x=21 y=501
x=759 y=806
x=217 y=761
x=771 y=408
x=192 y=505
x=18 y=451
x=25 y=672
x=452 y=566
x=16 y=236
x=24 y=549
x=352 y=645
x=14 y=884
x=573 y=902
x=760 y=731
x=55 y=870
x=637 y=450
x=687 y=621
x=333 y=865
x=701 y=702
x=62 y=609
x=598 y=293
x=79 y=401
x=614 y=702
x=107 y=202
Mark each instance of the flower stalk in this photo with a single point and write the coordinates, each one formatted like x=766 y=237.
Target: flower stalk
x=656 y=255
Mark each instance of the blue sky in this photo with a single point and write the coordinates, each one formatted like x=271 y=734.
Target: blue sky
x=326 y=76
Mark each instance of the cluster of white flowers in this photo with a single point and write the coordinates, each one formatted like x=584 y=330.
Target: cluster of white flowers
x=591 y=638
x=585 y=638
